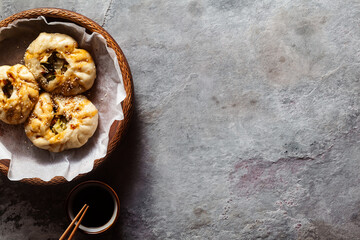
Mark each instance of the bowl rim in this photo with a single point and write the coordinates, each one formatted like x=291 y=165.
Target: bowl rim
x=118 y=128
x=104 y=185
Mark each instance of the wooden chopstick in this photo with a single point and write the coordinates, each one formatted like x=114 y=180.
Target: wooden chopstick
x=81 y=214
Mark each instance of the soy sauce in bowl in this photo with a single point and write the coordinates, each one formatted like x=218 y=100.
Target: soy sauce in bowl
x=103 y=206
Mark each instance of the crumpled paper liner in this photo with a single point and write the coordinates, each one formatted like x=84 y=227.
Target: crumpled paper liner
x=28 y=161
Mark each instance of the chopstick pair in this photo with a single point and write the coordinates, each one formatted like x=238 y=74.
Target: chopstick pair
x=81 y=214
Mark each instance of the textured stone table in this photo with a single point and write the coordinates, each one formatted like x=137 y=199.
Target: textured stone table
x=246 y=123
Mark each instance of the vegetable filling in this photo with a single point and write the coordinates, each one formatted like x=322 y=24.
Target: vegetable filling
x=8 y=89
x=55 y=65
x=58 y=124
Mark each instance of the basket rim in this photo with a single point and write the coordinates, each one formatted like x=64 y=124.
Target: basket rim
x=127 y=104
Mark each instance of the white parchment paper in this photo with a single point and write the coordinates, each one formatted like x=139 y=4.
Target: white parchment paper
x=28 y=161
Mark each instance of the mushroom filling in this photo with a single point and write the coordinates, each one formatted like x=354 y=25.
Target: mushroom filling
x=58 y=124
x=55 y=65
x=8 y=89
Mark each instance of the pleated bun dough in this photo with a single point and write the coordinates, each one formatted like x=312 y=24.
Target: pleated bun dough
x=59 y=66
x=19 y=93
x=58 y=123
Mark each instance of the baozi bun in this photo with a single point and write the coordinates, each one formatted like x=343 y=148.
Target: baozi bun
x=58 y=123
x=19 y=93
x=59 y=66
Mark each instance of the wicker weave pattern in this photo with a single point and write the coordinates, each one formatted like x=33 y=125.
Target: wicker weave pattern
x=119 y=128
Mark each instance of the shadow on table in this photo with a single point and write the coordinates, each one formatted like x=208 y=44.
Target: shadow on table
x=120 y=171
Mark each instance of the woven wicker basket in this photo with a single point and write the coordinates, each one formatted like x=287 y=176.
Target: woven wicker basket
x=119 y=127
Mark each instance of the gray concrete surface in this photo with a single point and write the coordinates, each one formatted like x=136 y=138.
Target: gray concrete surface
x=246 y=123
